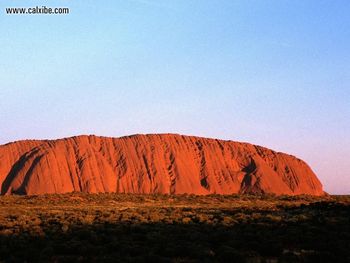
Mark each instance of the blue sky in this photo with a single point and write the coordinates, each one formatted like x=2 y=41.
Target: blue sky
x=274 y=73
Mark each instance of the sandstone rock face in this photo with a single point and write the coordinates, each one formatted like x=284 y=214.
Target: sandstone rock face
x=163 y=163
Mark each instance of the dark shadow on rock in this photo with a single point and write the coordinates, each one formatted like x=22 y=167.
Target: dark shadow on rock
x=17 y=167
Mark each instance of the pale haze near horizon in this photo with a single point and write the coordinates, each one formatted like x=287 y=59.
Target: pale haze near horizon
x=273 y=73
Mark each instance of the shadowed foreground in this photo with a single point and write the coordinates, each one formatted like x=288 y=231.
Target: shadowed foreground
x=186 y=228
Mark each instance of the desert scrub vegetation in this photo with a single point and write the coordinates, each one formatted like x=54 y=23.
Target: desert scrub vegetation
x=174 y=228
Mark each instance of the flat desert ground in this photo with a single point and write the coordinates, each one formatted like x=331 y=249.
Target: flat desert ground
x=174 y=228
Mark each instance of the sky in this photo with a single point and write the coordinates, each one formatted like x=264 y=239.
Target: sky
x=274 y=73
